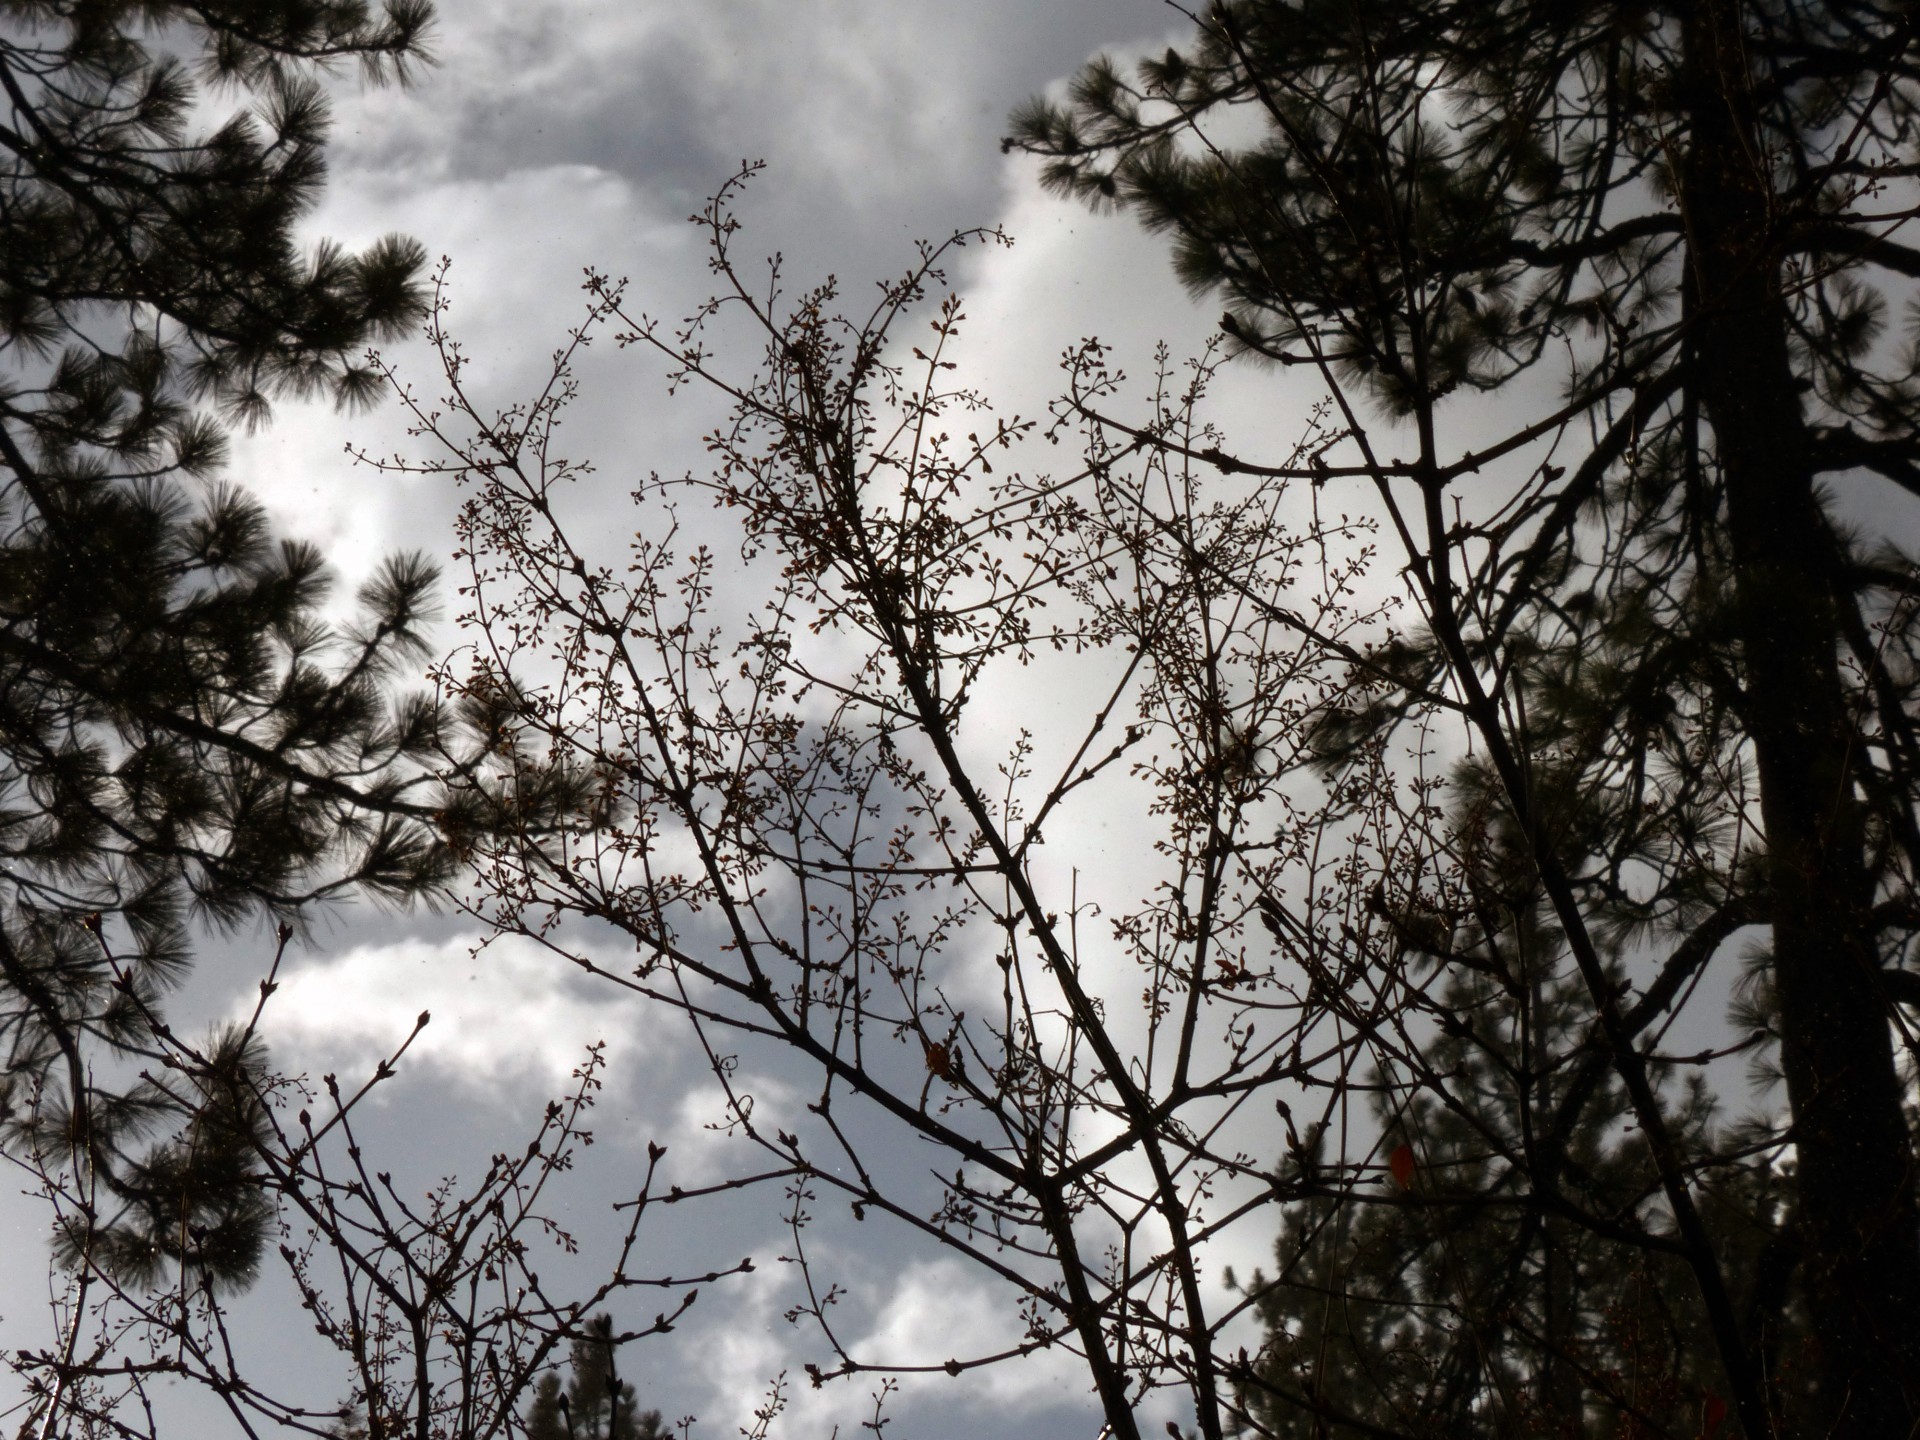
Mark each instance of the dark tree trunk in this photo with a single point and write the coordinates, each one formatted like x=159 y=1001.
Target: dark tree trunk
x=1854 y=1151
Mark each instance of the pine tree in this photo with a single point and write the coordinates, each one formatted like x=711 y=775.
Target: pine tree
x=594 y=1403
x=1684 y=220
x=1507 y=1278
x=184 y=735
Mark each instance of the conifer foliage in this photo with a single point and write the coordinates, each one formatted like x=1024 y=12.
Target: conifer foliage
x=182 y=731
x=594 y=1403
x=1671 y=238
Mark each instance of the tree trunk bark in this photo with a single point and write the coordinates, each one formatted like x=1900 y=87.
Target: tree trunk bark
x=1852 y=1144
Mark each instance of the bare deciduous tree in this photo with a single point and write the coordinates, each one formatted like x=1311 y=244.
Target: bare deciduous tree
x=841 y=851
x=427 y=1298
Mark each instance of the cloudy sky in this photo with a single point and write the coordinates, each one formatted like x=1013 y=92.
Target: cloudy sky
x=560 y=134
x=556 y=135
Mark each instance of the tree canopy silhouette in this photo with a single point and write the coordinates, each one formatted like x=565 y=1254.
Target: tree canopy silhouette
x=1666 y=242
x=594 y=1403
x=183 y=731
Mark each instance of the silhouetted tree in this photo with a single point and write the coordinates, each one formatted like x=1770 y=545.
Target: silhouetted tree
x=824 y=823
x=1680 y=224
x=188 y=737
x=1497 y=1282
x=424 y=1290
x=183 y=733
x=594 y=1403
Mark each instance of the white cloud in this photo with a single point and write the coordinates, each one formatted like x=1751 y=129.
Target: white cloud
x=503 y=1016
x=706 y=1142
x=940 y=1310
x=519 y=243
x=928 y=1313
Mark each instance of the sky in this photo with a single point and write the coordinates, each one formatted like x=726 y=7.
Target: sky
x=555 y=135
